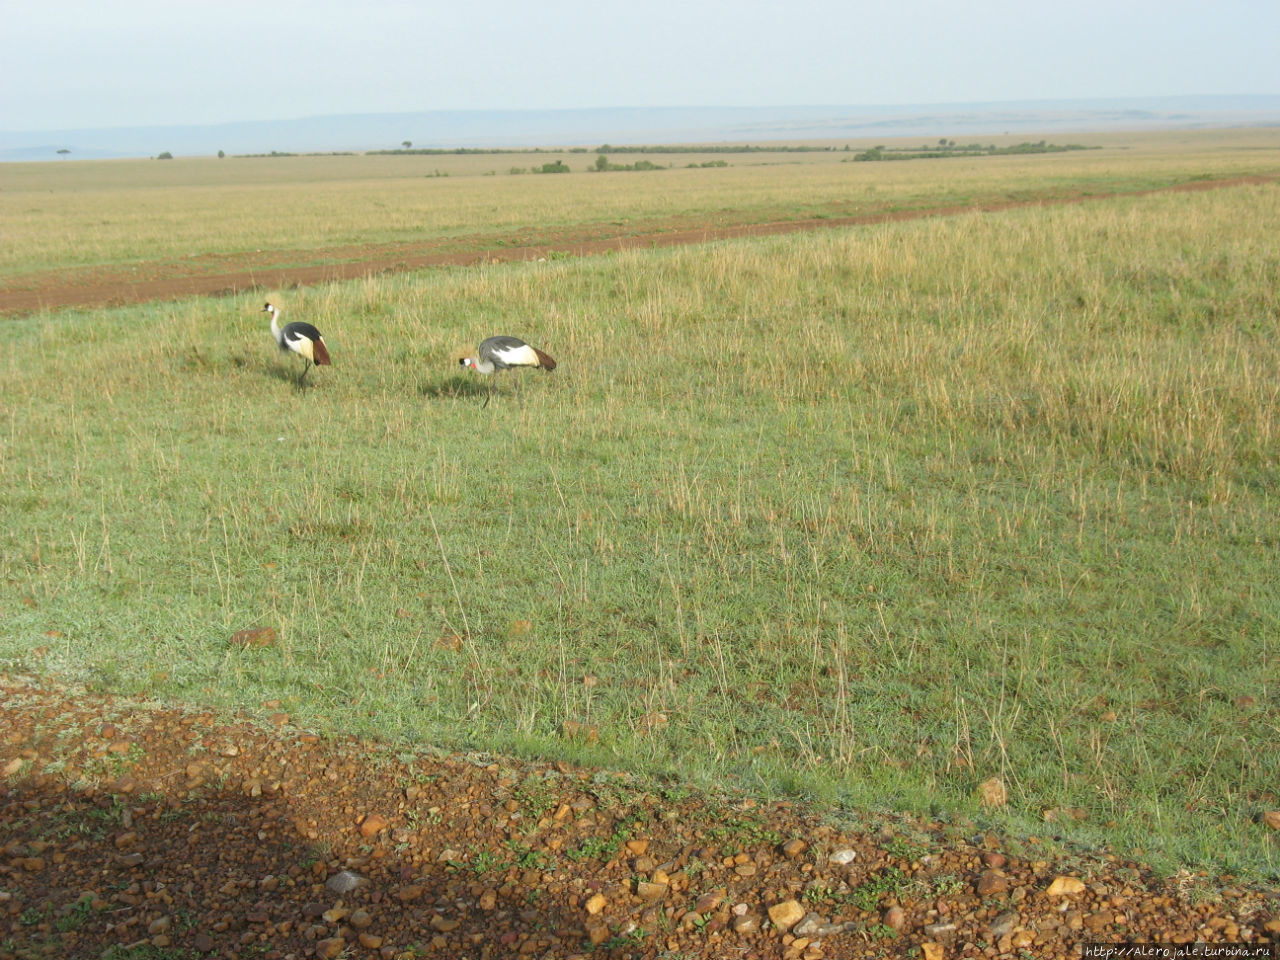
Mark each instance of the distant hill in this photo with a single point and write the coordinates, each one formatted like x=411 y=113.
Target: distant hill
x=636 y=125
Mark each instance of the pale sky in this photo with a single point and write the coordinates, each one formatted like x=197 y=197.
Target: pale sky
x=68 y=64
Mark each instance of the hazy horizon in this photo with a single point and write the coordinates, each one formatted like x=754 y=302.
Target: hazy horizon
x=146 y=63
x=523 y=129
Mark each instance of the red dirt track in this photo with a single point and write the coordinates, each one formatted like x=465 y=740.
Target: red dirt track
x=229 y=274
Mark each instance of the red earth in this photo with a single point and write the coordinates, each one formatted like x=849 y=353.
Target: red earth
x=228 y=274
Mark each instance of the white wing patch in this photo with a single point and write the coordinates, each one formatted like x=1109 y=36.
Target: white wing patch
x=520 y=356
x=302 y=345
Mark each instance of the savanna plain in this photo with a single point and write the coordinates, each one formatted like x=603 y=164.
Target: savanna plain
x=863 y=519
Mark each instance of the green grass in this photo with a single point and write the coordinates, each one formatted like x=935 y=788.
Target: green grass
x=868 y=516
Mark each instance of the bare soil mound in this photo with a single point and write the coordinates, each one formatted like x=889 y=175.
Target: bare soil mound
x=129 y=830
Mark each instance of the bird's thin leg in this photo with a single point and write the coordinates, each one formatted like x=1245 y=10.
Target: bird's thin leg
x=306 y=365
x=488 y=394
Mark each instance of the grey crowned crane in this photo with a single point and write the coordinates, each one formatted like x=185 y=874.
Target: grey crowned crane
x=302 y=338
x=504 y=353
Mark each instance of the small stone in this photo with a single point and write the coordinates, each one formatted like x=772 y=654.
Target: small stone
x=443 y=924
x=786 y=915
x=343 y=882
x=991 y=882
x=746 y=923
x=647 y=890
x=992 y=793
x=407 y=894
x=370 y=941
x=895 y=918
x=809 y=926
x=159 y=925
x=203 y=942
x=13 y=766
x=360 y=919
x=596 y=904
x=994 y=860
x=373 y=825
x=708 y=902
x=330 y=948
x=939 y=931
x=932 y=951
x=638 y=847
x=1004 y=924
x=793 y=848
x=1066 y=887
x=846 y=855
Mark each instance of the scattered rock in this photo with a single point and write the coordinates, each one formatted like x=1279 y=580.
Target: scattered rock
x=932 y=951
x=1066 y=887
x=746 y=924
x=266 y=867
x=373 y=825
x=793 y=848
x=343 y=882
x=991 y=882
x=786 y=914
x=809 y=925
x=708 y=902
x=1003 y=924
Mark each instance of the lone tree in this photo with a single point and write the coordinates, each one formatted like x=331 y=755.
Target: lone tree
x=63 y=152
x=406 y=144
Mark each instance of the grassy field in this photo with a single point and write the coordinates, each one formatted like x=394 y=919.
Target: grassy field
x=58 y=215
x=867 y=516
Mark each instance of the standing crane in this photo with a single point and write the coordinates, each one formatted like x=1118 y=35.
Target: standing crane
x=302 y=338
x=504 y=353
